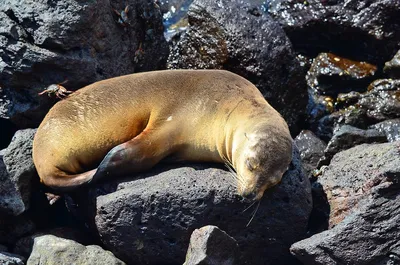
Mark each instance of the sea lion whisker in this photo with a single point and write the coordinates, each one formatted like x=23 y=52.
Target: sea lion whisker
x=254 y=213
x=249 y=206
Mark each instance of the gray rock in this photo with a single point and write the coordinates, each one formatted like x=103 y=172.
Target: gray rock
x=238 y=36
x=391 y=128
x=311 y=149
x=44 y=43
x=348 y=136
x=19 y=164
x=11 y=259
x=366 y=30
x=13 y=228
x=10 y=199
x=149 y=220
x=210 y=245
x=25 y=244
x=353 y=174
x=392 y=67
x=380 y=103
x=49 y=249
x=370 y=234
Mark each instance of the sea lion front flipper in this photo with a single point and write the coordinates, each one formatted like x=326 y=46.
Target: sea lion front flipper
x=130 y=157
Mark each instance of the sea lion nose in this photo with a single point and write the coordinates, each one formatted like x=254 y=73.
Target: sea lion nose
x=250 y=195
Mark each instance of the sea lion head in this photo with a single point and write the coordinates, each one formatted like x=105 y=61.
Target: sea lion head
x=262 y=153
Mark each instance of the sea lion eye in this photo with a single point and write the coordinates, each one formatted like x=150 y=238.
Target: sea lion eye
x=250 y=164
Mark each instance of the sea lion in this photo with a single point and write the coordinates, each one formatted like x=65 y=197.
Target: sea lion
x=128 y=124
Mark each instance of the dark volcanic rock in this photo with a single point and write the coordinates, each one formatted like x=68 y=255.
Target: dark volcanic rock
x=150 y=220
x=381 y=102
x=240 y=37
x=49 y=249
x=7 y=131
x=10 y=199
x=210 y=245
x=370 y=234
x=392 y=67
x=391 y=128
x=45 y=42
x=365 y=30
x=11 y=259
x=13 y=228
x=330 y=75
x=353 y=174
x=348 y=136
x=19 y=163
x=311 y=149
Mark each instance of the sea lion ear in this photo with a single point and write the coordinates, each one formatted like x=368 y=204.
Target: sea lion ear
x=245 y=135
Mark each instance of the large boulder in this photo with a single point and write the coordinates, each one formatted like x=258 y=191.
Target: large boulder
x=365 y=30
x=240 y=37
x=362 y=186
x=353 y=173
x=19 y=166
x=150 y=220
x=44 y=42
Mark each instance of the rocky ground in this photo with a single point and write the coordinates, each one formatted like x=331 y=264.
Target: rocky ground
x=331 y=68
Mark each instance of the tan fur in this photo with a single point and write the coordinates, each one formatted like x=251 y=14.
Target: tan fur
x=196 y=115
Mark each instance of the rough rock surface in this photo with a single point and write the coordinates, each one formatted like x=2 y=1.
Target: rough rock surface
x=49 y=249
x=370 y=234
x=13 y=228
x=380 y=103
x=240 y=37
x=392 y=67
x=331 y=74
x=311 y=149
x=391 y=128
x=10 y=199
x=348 y=136
x=149 y=220
x=365 y=30
x=45 y=42
x=11 y=259
x=353 y=173
x=25 y=244
x=210 y=245
x=19 y=164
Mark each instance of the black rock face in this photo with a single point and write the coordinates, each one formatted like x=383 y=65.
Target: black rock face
x=365 y=30
x=80 y=42
x=238 y=36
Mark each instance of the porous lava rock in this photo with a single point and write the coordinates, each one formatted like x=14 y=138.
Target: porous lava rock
x=238 y=36
x=19 y=164
x=210 y=245
x=364 y=30
x=354 y=173
x=311 y=149
x=49 y=42
x=49 y=249
x=363 y=188
x=150 y=220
